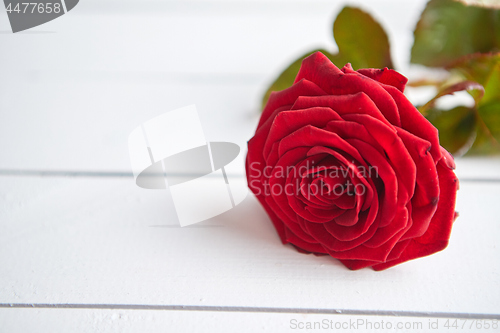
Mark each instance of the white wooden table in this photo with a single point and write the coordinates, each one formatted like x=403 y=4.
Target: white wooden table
x=83 y=249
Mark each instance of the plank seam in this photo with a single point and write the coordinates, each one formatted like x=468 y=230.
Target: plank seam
x=252 y=310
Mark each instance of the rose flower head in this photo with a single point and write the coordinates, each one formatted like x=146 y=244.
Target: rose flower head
x=346 y=166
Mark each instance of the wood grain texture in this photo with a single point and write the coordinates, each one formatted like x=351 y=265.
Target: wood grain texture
x=74 y=228
x=115 y=320
x=104 y=241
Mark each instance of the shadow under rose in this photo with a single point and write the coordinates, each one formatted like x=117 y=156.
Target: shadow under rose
x=250 y=223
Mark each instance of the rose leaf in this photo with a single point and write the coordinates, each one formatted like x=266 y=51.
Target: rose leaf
x=476 y=67
x=457 y=128
x=485 y=69
x=492 y=86
x=488 y=130
x=474 y=88
x=361 y=40
x=449 y=29
x=473 y=130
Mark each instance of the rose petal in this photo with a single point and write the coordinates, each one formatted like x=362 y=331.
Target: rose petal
x=394 y=148
x=425 y=199
x=414 y=122
x=288 y=96
x=447 y=158
x=322 y=234
x=389 y=196
x=356 y=232
x=320 y=70
x=298 y=241
x=384 y=234
x=359 y=264
x=287 y=122
x=386 y=76
x=437 y=235
x=310 y=136
x=358 y=103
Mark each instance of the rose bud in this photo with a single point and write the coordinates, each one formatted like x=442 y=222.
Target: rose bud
x=346 y=166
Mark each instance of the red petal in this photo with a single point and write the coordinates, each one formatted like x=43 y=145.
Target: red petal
x=287 y=122
x=358 y=103
x=320 y=70
x=437 y=235
x=386 y=76
x=288 y=96
x=413 y=121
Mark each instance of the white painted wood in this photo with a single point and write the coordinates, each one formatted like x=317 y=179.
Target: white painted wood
x=193 y=36
x=104 y=241
x=482 y=168
x=73 y=89
x=123 y=321
x=85 y=126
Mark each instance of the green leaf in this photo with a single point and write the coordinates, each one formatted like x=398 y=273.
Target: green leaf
x=478 y=70
x=476 y=67
x=484 y=144
x=488 y=131
x=484 y=69
x=490 y=114
x=474 y=88
x=361 y=41
x=457 y=128
x=492 y=86
x=449 y=29
x=467 y=130
x=473 y=130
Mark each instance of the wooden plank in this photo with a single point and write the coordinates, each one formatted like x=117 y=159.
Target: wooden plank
x=104 y=241
x=85 y=126
x=74 y=111
x=116 y=320
x=60 y=127
x=485 y=168
x=193 y=36
x=70 y=93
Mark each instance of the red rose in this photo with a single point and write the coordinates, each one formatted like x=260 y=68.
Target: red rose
x=346 y=166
